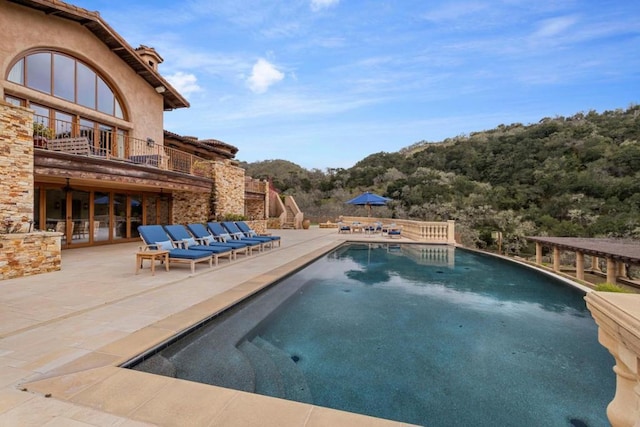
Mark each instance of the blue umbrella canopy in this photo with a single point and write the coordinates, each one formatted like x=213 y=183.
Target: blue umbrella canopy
x=368 y=199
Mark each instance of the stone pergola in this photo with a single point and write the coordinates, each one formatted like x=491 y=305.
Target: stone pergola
x=617 y=253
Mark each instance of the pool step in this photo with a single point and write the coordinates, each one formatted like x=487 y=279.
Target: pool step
x=224 y=366
x=268 y=380
x=294 y=383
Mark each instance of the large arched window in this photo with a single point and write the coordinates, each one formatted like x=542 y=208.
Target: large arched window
x=67 y=78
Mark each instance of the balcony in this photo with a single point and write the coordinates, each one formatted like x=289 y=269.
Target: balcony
x=99 y=142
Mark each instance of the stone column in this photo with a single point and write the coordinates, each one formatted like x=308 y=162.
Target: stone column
x=618 y=318
x=22 y=252
x=622 y=269
x=611 y=270
x=538 y=253
x=579 y=265
x=556 y=258
x=16 y=167
x=451 y=232
x=595 y=263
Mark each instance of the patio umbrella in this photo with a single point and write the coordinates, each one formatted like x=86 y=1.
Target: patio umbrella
x=368 y=199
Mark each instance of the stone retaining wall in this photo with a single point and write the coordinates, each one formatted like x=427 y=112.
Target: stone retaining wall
x=26 y=254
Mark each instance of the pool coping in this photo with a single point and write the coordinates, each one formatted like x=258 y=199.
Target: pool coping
x=98 y=381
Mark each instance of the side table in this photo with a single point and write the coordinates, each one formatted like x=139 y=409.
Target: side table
x=152 y=256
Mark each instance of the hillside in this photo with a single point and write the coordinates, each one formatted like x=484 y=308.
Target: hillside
x=563 y=176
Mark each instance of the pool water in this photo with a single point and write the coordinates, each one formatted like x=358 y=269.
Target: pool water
x=422 y=334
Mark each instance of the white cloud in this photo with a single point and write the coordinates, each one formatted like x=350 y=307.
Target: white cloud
x=317 y=5
x=555 y=26
x=184 y=83
x=263 y=75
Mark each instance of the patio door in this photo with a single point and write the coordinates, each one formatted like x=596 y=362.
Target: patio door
x=56 y=209
x=79 y=215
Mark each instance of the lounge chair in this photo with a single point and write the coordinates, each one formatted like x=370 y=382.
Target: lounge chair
x=343 y=228
x=394 y=232
x=181 y=236
x=203 y=235
x=235 y=231
x=219 y=231
x=251 y=233
x=155 y=237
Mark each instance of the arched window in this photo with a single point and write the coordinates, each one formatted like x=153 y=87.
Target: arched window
x=67 y=78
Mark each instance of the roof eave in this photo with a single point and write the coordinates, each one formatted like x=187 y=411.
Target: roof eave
x=94 y=23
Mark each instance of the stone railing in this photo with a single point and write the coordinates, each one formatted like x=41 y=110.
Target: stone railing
x=618 y=319
x=422 y=231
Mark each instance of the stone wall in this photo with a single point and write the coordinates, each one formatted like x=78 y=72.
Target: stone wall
x=190 y=208
x=16 y=166
x=254 y=209
x=229 y=188
x=26 y=254
x=21 y=253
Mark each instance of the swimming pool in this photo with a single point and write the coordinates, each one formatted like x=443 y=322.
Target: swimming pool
x=415 y=333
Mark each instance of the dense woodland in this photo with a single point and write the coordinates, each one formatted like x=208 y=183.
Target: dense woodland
x=563 y=176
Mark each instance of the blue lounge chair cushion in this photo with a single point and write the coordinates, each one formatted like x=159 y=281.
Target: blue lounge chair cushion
x=188 y=254
x=250 y=232
x=222 y=230
x=233 y=228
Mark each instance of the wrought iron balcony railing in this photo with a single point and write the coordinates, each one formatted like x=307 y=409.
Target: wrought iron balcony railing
x=103 y=142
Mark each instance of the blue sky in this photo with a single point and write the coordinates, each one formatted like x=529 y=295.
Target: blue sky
x=324 y=83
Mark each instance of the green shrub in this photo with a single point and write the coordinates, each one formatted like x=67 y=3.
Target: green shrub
x=234 y=217
x=611 y=287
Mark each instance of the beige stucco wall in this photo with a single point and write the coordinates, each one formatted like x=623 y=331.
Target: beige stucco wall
x=24 y=29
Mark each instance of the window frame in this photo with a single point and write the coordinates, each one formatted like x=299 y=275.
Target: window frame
x=18 y=73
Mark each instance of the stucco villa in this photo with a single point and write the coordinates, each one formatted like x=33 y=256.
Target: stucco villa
x=84 y=149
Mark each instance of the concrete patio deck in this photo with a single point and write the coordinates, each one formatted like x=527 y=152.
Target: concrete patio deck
x=64 y=334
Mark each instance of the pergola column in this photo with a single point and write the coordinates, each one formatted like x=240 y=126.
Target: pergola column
x=579 y=265
x=595 y=263
x=556 y=258
x=611 y=270
x=538 y=253
x=622 y=269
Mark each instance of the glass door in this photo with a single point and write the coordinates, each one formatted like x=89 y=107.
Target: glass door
x=135 y=204
x=120 y=216
x=101 y=216
x=56 y=214
x=80 y=215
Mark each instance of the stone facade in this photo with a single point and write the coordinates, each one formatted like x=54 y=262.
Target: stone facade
x=26 y=254
x=229 y=188
x=21 y=253
x=190 y=208
x=16 y=166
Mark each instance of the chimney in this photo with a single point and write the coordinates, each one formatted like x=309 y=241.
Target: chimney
x=150 y=56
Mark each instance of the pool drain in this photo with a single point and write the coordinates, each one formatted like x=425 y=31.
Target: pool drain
x=295 y=358
x=576 y=422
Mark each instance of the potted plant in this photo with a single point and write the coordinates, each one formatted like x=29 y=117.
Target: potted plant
x=41 y=135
